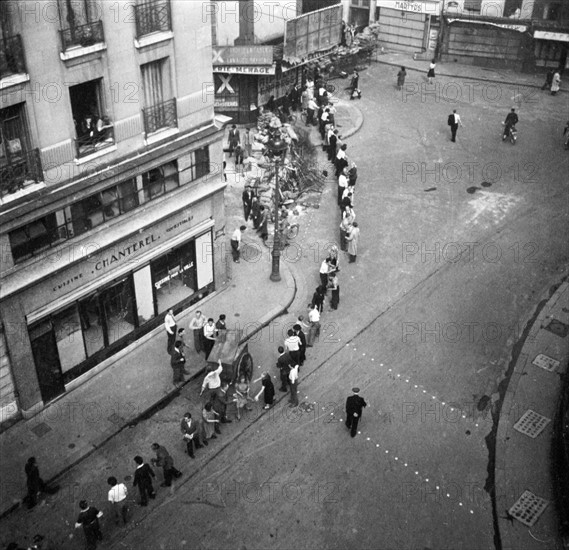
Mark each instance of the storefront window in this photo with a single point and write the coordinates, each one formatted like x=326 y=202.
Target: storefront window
x=92 y=324
x=118 y=307
x=69 y=338
x=144 y=295
x=174 y=276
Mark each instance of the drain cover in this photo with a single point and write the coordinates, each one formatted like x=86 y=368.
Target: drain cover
x=41 y=429
x=531 y=423
x=545 y=362
x=116 y=419
x=528 y=508
x=558 y=328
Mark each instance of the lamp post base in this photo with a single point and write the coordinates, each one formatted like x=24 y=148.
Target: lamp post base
x=275 y=271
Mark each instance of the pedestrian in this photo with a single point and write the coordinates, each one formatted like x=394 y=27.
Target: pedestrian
x=548 y=80
x=181 y=337
x=143 y=480
x=318 y=297
x=238 y=159
x=220 y=399
x=304 y=97
x=255 y=212
x=342 y=184
x=401 y=78
x=166 y=462
x=334 y=286
x=333 y=145
x=354 y=80
x=208 y=336
x=555 y=83
x=171 y=328
x=247 y=199
x=35 y=483
x=314 y=329
x=178 y=362
x=453 y=122
x=284 y=364
x=210 y=422
x=191 y=433
x=89 y=519
x=270 y=105
x=352 y=175
x=236 y=243
x=292 y=345
x=302 y=337
x=324 y=120
x=263 y=228
x=311 y=109
x=117 y=497
x=212 y=381
x=431 y=73
x=353 y=238
x=354 y=409
x=242 y=397
x=196 y=325
x=267 y=390
x=224 y=166
x=234 y=139
x=333 y=261
x=42 y=543
x=348 y=218
x=220 y=325
x=341 y=159
x=323 y=272
x=293 y=385
x=247 y=142
x=510 y=122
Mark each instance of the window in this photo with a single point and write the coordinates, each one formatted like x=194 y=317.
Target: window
x=159 y=106
x=19 y=163
x=11 y=53
x=152 y=16
x=93 y=130
x=80 y=23
x=199 y=163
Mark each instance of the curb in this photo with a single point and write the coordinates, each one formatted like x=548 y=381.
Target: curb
x=482 y=79
x=359 y=119
x=264 y=321
x=505 y=423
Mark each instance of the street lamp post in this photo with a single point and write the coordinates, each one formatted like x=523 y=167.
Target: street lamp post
x=277 y=147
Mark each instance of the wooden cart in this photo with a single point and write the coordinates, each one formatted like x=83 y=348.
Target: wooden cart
x=235 y=357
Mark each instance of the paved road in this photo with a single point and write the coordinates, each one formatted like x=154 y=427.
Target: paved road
x=426 y=331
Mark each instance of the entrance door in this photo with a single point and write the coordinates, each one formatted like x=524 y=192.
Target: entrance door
x=46 y=358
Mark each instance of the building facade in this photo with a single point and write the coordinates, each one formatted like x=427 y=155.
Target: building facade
x=111 y=187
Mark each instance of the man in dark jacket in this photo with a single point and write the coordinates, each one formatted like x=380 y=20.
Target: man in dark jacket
x=143 y=480
x=178 y=361
x=166 y=462
x=354 y=409
x=89 y=520
x=35 y=483
x=192 y=436
x=511 y=120
x=284 y=364
x=247 y=199
x=298 y=331
x=219 y=400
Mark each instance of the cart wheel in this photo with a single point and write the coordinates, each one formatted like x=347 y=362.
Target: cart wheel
x=246 y=367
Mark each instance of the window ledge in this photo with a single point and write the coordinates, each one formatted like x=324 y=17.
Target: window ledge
x=154 y=38
x=160 y=135
x=97 y=154
x=80 y=51
x=32 y=188
x=14 y=80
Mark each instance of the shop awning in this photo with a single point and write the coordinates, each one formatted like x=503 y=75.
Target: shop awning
x=548 y=35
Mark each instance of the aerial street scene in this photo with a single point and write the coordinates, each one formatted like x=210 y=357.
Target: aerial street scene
x=284 y=275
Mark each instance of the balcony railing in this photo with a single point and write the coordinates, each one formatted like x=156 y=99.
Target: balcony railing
x=153 y=17
x=95 y=140
x=162 y=115
x=82 y=35
x=19 y=170
x=12 y=59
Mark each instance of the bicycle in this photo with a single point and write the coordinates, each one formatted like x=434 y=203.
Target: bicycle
x=287 y=233
x=303 y=115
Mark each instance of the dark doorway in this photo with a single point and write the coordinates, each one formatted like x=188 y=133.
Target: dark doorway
x=46 y=358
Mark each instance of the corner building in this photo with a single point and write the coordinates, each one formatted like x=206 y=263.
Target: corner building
x=111 y=186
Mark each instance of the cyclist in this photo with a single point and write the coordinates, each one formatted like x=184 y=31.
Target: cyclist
x=510 y=122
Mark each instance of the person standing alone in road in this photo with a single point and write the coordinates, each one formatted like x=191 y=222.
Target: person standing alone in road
x=236 y=243
x=354 y=409
x=453 y=122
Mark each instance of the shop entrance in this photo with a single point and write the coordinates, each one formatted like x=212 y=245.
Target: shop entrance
x=46 y=357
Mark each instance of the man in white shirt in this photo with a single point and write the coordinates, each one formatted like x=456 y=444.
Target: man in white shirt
x=236 y=243
x=293 y=384
x=324 y=268
x=310 y=110
x=292 y=345
x=342 y=185
x=314 y=320
x=171 y=329
x=454 y=126
x=212 y=381
x=117 y=497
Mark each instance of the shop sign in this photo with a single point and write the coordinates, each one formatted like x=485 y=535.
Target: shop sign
x=244 y=69
x=242 y=55
x=432 y=8
x=226 y=102
x=172 y=275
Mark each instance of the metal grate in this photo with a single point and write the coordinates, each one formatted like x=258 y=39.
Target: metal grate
x=544 y=362
x=41 y=429
x=528 y=508
x=531 y=424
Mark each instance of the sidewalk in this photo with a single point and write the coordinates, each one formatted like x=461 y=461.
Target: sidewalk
x=459 y=70
x=80 y=422
x=523 y=459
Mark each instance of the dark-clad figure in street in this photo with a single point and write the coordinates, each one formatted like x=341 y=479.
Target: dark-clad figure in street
x=284 y=364
x=354 y=410
x=511 y=120
x=34 y=482
x=143 y=480
x=178 y=362
x=166 y=462
x=89 y=519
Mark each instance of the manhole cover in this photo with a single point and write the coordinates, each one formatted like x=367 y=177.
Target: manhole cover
x=531 y=423
x=558 y=328
x=544 y=362
x=528 y=508
x=115 y=419
x=250 y=253
x=41 y=429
